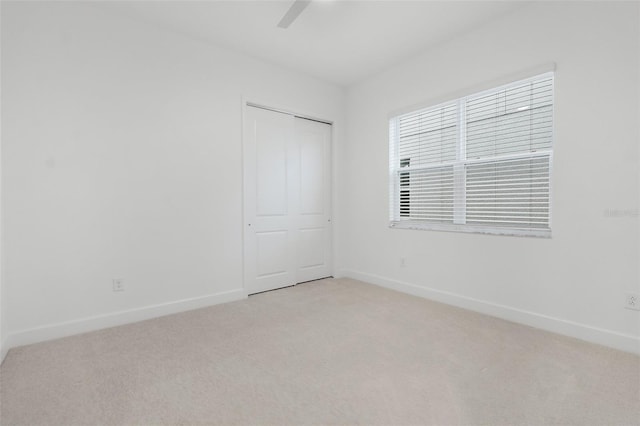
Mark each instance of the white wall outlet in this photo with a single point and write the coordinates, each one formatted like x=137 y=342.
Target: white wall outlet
x=403 y=262
x=632 y=301
x=118 y=284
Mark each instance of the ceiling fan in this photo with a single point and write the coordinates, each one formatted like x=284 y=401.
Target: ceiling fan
x=292 y=14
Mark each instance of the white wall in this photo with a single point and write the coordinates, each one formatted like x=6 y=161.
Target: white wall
x=572 y=283
x=3 y=310
x=122 y=159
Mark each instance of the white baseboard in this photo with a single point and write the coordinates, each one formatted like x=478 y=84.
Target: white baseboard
x=3 y=350
x=98 y=322
x=613 y=339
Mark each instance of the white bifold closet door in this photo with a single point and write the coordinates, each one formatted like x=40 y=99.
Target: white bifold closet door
x=287 y=200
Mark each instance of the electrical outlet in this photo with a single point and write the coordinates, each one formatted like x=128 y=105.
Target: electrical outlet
x=632 y=301
x=118 y=284
x=403 y=262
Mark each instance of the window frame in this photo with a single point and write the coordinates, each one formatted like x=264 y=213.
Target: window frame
x=459 y=168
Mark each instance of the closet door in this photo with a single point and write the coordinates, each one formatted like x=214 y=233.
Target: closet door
x=313 y=224
x=287 y=200
x=269 y=182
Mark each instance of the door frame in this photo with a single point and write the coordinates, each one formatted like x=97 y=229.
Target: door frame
x=251 y=102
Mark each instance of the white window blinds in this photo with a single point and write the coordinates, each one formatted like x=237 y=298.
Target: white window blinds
x=481 y=163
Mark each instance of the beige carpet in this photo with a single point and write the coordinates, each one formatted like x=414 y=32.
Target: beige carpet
x=326 y=352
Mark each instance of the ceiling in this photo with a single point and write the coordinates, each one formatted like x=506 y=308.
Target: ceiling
x=341 y=42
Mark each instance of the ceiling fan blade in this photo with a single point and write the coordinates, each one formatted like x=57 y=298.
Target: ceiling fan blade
x=296 y=9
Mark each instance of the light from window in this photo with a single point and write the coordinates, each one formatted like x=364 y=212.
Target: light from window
x=481 y=163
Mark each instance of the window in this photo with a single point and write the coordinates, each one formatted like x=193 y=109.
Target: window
x=481 y=163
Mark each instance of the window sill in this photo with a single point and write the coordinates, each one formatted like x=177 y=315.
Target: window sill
x=474 y=229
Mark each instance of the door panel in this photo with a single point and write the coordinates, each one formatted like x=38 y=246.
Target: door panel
x=314 y=220
x=311 y=171
x=311 y=251
x=268 y=229
x=272 y=253
x=271 y=168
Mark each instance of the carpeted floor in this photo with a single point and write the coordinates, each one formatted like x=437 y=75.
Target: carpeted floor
x=326 y=352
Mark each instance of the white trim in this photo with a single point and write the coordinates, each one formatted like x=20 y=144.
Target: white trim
x=98 y=322
x=474 y=161
x=460 y=169
x=553 y=144
x=4 y=349
x=458 y=222
x=243 y=156
x=601 y=336
x=394 y=165
x=469 y=228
